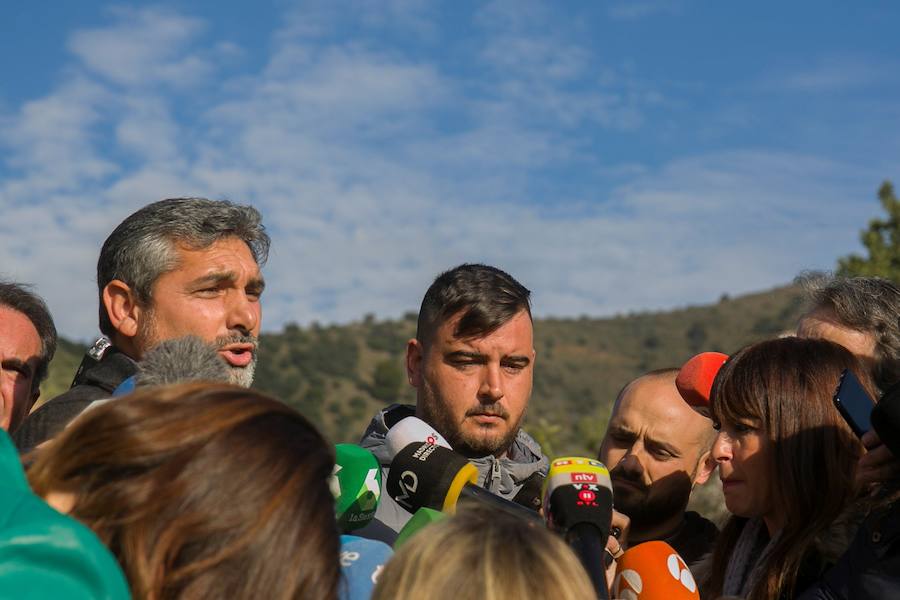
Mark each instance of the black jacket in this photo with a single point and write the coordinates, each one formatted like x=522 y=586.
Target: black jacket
x=94 y=383
x=870 y=568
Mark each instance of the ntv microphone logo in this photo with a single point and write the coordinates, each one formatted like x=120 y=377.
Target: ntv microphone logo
x=584 y=478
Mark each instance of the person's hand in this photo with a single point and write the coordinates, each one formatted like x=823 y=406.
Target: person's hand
x=877 y=465
x=616 y=543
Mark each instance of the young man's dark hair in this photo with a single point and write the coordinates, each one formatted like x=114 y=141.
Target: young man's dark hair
x=490 y=297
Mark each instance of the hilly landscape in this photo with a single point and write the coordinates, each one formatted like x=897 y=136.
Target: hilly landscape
x=340 y=375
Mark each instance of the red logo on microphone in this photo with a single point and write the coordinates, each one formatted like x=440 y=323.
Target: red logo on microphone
x=431 y=440
x=584 y=478
x=586 y=498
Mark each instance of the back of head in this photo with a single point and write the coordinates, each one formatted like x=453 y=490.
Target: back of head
x=142 y=247
x=866 y=304
x=787 y=385
x=21 y=299
x=484 y=554
x=486 y=296
x=202 y=490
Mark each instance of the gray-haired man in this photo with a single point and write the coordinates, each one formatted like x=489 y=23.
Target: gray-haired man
x=182 y=266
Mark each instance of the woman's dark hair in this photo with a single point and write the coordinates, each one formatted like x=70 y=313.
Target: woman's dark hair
x=202 y=490
x=788 y=384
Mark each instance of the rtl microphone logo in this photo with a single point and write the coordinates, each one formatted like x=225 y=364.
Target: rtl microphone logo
x=587 y=495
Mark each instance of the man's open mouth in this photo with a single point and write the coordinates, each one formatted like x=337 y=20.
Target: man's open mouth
x=238 y=355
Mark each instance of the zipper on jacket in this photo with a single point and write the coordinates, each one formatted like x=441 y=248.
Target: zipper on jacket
x=495 y=473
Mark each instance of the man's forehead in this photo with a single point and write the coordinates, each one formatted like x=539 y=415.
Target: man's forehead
x=516 y=333
x=822 y=323
x=19 y=333
x=221 y=255
x=653 y=404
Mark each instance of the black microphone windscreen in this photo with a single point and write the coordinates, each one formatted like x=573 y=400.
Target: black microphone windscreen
x=424 y=475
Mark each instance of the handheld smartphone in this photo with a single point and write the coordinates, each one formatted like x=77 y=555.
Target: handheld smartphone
x=854 y=403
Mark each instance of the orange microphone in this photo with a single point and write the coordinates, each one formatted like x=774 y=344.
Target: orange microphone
x=653 y=571
x=695 y=379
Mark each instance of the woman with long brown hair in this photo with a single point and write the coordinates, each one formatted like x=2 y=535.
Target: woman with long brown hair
x=786 y=459
x=201 y=491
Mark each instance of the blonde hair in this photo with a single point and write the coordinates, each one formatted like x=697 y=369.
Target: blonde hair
x=482 y=554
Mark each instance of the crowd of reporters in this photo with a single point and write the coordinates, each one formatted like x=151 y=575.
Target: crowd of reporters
x=160 y=474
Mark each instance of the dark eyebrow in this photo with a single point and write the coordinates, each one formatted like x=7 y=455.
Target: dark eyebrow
x=523 y=361
x=621 y=430
x=663 y=446
x=257 y=283
x=17 y=364
x=462 y=354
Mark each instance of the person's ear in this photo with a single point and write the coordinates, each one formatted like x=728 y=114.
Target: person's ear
x=705 y=468
x=415 y=357
x=122 y=307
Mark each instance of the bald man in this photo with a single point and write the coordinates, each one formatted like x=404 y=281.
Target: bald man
x=656 y=448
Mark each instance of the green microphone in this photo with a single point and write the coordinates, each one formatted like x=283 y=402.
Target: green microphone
x=356 y=485
x=420 y=520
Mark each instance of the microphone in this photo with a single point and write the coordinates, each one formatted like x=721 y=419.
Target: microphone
x=409 y=430
x=362 y=561
x=653 y=571
x=420 y=520
x=425 y=475
x=356 y=485
x=695 y=379
x=578 y=500
x=179 y=360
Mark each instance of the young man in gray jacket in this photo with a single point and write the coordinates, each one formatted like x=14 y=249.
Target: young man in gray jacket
x=472 y=363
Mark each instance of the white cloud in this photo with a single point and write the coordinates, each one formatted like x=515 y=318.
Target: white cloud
x=629 y=10
x=143 y=48
x=369 y=192
x=831 y=74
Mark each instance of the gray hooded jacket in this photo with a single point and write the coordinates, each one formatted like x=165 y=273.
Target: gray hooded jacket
x=504 y=476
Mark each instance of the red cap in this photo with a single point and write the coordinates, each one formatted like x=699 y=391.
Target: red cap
x=696 y=377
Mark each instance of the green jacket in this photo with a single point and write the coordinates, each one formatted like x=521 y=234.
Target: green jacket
x=44 y=554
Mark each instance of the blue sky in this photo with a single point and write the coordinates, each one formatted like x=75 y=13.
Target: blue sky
x=613 y=156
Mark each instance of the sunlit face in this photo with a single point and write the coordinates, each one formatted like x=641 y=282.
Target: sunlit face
x=822 y=324
x=213 y=294
x=654 y=447
x=20 y=350
x=742 y=451
x=474 y=391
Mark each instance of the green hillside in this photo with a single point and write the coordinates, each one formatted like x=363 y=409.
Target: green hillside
x=339 y=376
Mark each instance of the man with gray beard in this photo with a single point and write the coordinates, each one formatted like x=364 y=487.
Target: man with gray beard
x=181 y=266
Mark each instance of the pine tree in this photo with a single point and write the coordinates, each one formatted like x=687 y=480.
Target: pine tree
x=882 y=241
